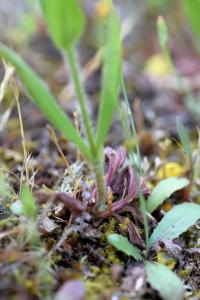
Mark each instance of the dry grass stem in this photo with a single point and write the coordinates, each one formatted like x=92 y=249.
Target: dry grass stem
x=55 y=141
x=26 y=156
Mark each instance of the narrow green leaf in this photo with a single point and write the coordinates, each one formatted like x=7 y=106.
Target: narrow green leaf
x=184 y=138
x=192 y=11
x=65 y=21
x=162 y=32
x=29 y=207
x=110 y=79
x=175 y=222
x=7 y=220
x=44 y=99
x=121 y=243
x=164 y=190
x=131 y=123
x=163 y=280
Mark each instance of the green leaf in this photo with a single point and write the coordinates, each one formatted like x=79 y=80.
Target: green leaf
x=184 y=138
x=162 y=32
x=110 y=79
x=28 y=203
x=175 y=222
x=192 y=11
x=121 y=243
x=163 y=280
x=65 y=21
x=164 y=190
x=44 y=100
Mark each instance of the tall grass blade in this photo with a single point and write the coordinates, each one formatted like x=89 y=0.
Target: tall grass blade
x=162 y=33
x=110 y=78
x=42 y=97
x=185 y=142
x=132 y=124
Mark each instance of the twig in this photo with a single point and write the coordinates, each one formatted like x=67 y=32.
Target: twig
x=55 y=140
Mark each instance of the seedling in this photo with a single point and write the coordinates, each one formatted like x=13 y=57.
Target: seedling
x=26 y=207
x=171 y=226
x=65 y=31
x=175 y=222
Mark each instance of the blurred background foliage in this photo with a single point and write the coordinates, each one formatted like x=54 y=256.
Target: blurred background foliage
x=147 y=74
x=21 y=19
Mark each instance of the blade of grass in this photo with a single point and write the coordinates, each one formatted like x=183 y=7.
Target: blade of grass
x=8 y=220
x=42 y=97
x=127 y=135
x=186 y=143
x=81 y=97
x=110 y=79
x=135 y=136
x=145 y=220
x=132 y=124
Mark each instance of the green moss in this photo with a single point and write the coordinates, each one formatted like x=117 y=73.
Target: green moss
x=109 y=227
x=99 y=284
